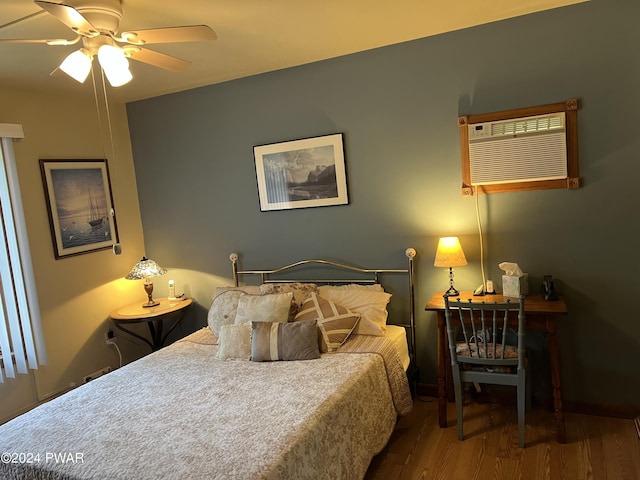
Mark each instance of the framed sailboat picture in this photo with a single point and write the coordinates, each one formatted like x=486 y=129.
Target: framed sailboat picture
x=80 y=205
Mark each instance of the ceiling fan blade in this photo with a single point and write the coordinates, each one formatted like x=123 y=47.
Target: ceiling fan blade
x=27 y=40
x=48 y=41
x=190 y=33
x=70 y=17
x=157 y=59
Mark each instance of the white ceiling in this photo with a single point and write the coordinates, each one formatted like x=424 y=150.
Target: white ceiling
x=254 y=36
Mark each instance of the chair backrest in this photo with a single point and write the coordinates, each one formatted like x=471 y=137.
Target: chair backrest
x=478 y=331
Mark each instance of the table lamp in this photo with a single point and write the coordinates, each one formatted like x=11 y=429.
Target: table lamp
x=450 y=254
x=144 y=270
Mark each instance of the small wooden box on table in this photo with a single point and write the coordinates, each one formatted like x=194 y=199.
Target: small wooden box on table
x=541 y=315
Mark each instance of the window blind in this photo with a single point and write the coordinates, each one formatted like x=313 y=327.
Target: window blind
x=21 y=339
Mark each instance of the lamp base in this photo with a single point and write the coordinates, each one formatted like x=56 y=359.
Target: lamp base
x=148 y=288
x=452 y=292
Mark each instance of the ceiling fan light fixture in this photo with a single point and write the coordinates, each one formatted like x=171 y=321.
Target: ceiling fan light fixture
x=118 y=77
x=97 y=24
x=115 y=65
x=77 y=65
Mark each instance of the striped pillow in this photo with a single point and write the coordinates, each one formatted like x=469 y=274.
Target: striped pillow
x=370 y=302
x=335 y=322
x=271 y=341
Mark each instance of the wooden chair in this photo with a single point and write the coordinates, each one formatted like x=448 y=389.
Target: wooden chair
x=480 y=352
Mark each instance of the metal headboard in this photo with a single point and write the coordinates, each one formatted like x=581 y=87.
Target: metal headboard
x=374 y=274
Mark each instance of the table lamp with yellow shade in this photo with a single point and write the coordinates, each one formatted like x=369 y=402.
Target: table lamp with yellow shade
x=449 y=254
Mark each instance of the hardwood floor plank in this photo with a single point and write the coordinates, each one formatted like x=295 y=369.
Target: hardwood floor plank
x=598 y=448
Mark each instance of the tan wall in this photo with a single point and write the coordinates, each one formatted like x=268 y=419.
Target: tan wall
x=76 y=293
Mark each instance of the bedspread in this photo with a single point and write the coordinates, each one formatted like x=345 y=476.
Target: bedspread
x=396 y=375
x=180 y=413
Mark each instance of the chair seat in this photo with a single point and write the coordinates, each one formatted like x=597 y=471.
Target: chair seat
x=510 y=351
x=489 y=368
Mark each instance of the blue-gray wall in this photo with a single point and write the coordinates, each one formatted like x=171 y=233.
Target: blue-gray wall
x=398 y=107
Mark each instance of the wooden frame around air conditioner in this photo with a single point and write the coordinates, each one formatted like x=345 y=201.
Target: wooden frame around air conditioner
x=570 y=107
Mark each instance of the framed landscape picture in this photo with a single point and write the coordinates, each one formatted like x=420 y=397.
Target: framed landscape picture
x=301 y=173
x=80 y=205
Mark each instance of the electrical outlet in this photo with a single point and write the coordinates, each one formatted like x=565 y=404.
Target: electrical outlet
x=96 y=374
x=110 y=337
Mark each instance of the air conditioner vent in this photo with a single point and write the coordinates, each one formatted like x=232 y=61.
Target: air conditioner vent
x=518 y=150
x=519 y=159
x=528 y=125
x=516 y=126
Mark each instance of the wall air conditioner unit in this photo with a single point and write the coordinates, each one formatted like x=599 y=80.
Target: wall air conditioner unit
x=523 y=149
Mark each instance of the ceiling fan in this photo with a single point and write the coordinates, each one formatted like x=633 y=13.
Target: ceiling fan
x=96 y=23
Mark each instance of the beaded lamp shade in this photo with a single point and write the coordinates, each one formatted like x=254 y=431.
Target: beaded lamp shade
x=144 y=270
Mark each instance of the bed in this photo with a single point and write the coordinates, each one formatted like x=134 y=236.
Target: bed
x=305 y=403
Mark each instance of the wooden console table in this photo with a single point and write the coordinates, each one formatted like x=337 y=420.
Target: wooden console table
x=153 y=317
x=541 y=315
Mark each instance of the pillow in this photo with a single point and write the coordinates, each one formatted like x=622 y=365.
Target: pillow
x=234 y=342
x=335 y=322
x=354 y=286
x=300 y=292
x=263 y=308
x=223 y=310
x=272 y=341
x=370 y=303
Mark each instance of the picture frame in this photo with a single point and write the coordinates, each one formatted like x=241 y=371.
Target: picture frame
x=303 y=173
x=80 y=206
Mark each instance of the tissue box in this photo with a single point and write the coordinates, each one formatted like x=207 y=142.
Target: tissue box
x=513 y=286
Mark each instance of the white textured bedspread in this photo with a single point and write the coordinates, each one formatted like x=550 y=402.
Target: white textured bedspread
x=179 y=413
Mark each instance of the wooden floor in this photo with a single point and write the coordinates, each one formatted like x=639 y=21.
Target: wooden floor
x=597 y=447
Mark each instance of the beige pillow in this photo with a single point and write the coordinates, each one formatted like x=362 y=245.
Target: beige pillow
x=263 y=308
x=234 y=342
x=272 y=341
x=370 y=303
x=223 y=310
x=300 y=292
x=335 y=322
x=353 y=286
